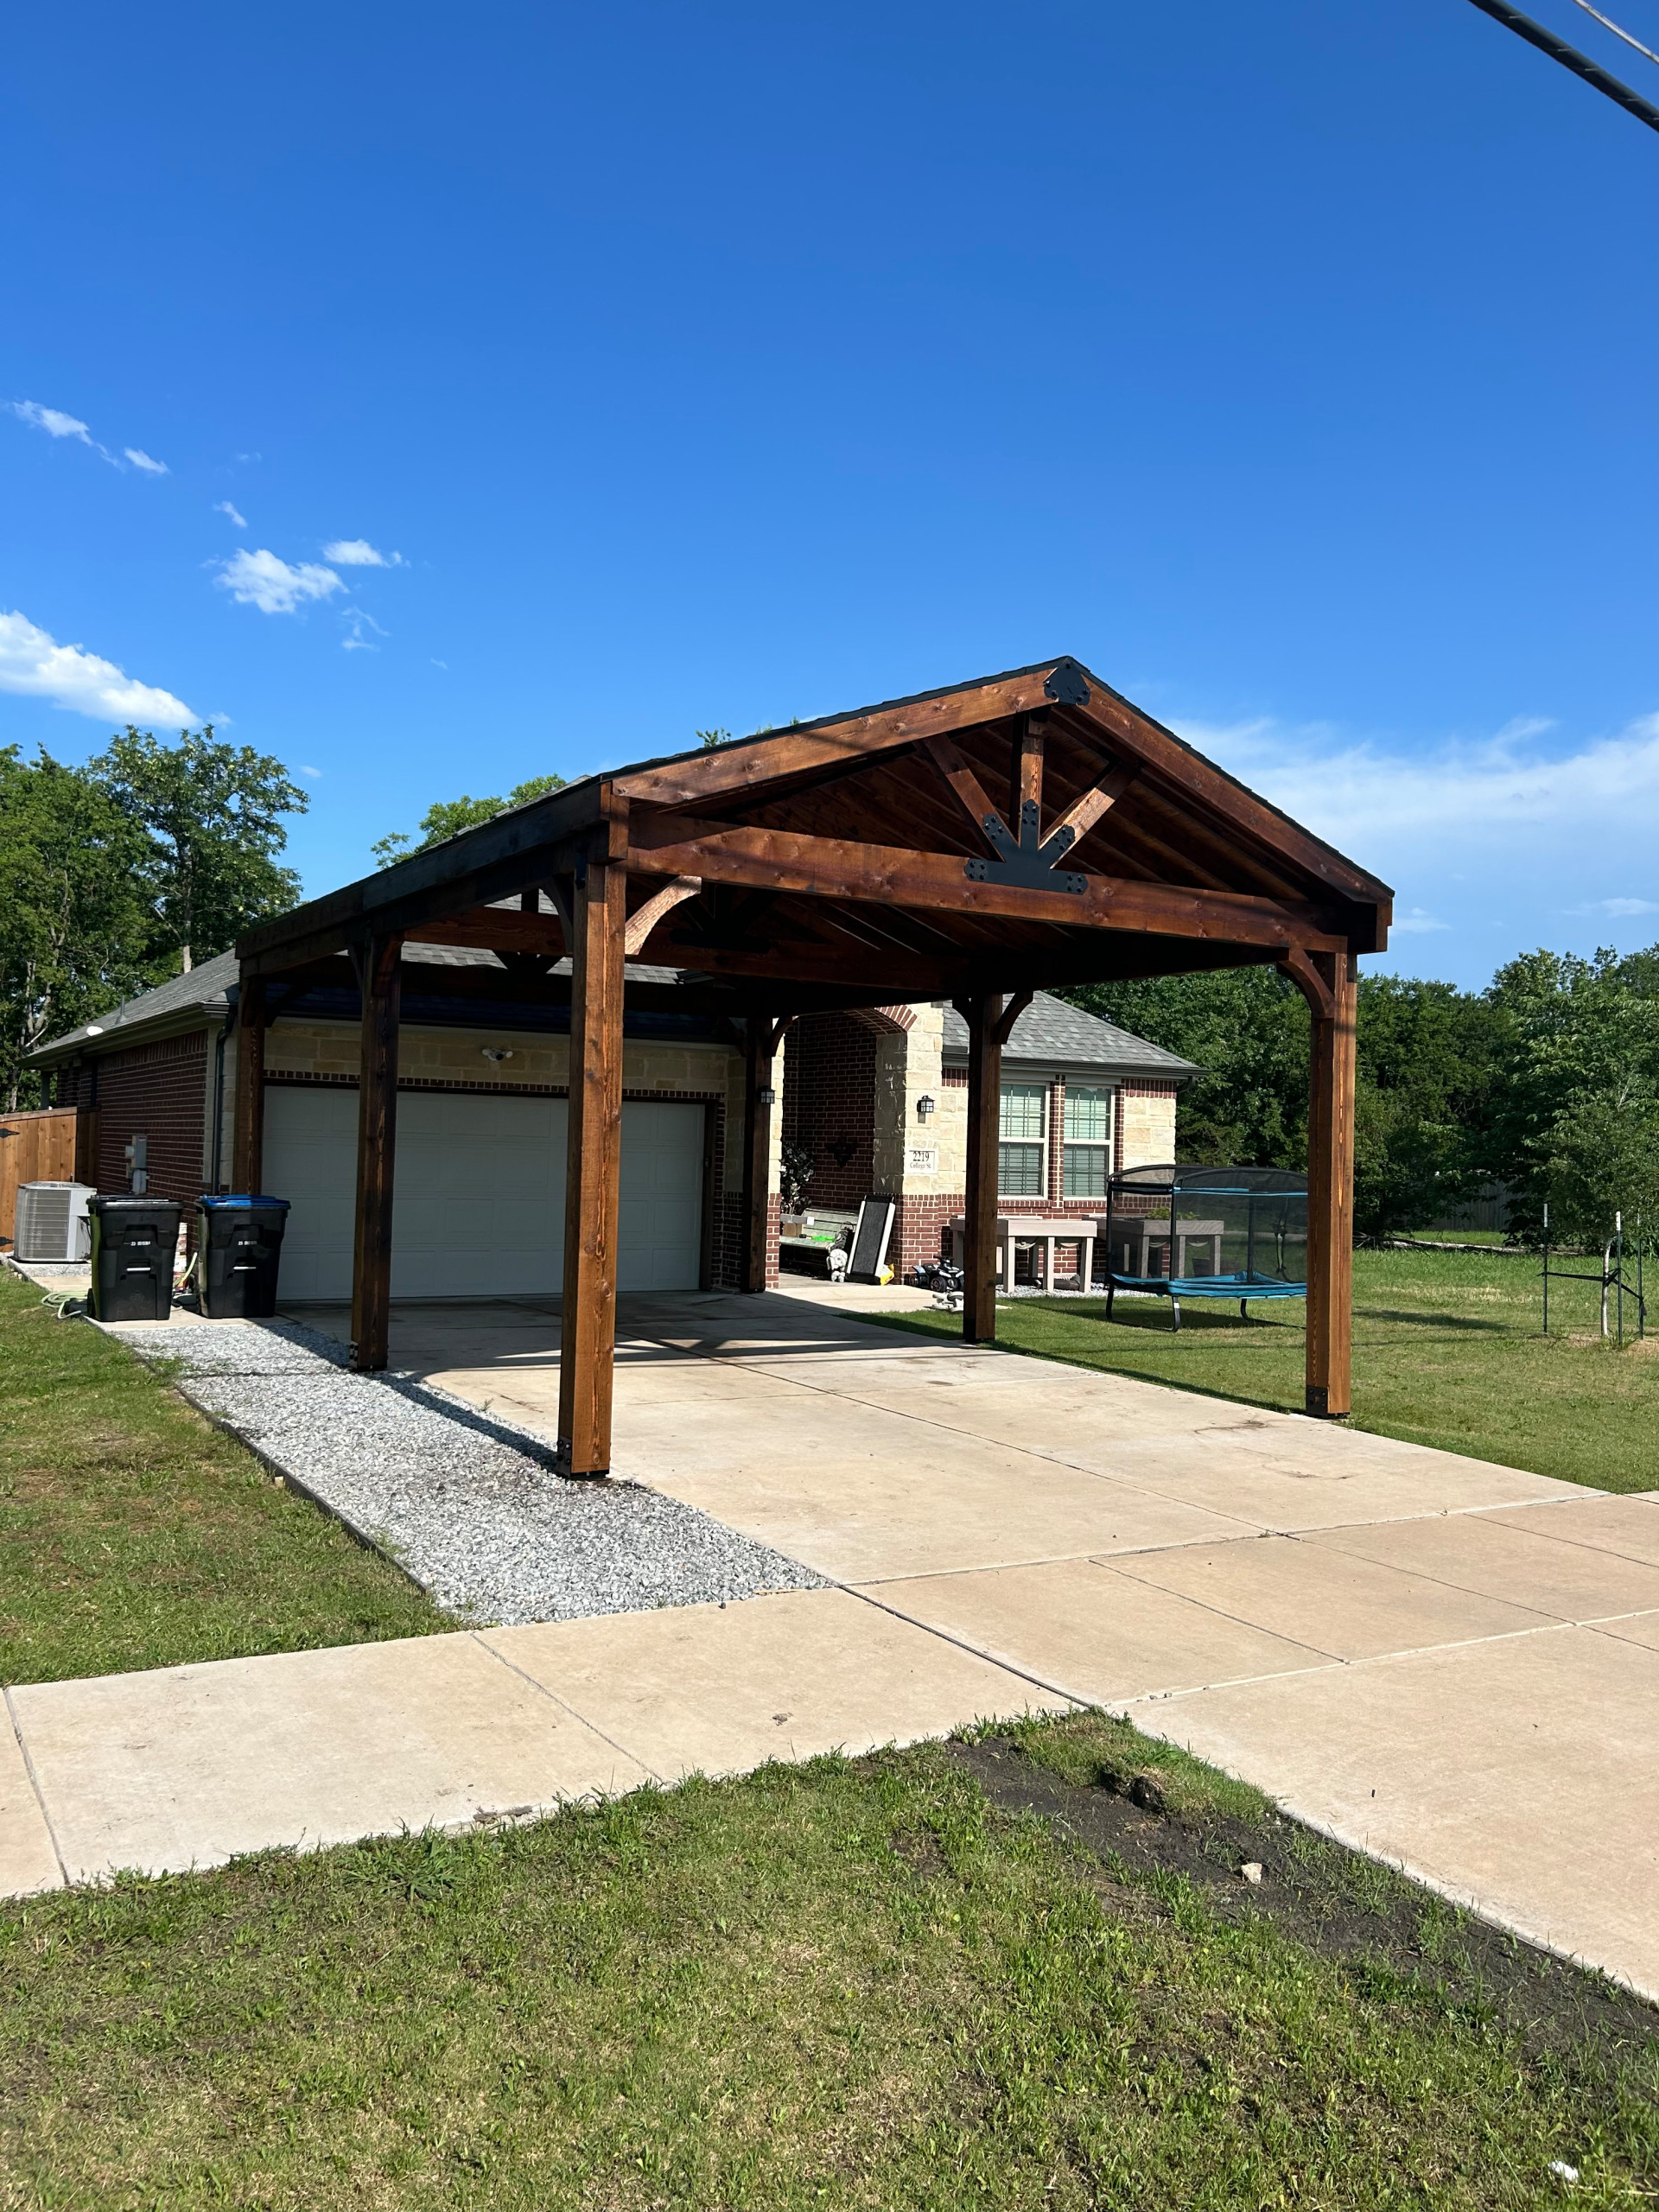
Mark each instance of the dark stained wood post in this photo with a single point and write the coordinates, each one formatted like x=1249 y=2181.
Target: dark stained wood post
x=1027 y=777
x=379 y=962
x=762 y=1037
x=1330 y=982
x=248 y=1148
x=983 y=1017
x=594 y=1170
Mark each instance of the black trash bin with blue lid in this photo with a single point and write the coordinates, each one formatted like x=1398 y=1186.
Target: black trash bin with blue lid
x=239 y=1249
x=135 y=1243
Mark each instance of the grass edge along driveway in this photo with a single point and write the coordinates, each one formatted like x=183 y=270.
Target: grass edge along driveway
x=134 y=1533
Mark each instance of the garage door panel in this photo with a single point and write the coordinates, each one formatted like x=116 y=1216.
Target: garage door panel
x=479 y=1210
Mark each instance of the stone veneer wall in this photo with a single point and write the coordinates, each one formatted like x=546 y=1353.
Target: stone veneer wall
x=1145 y=1133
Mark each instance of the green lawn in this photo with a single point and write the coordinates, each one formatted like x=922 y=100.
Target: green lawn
x=879 y=1985
x=1448 y=1351
x=134 y=1533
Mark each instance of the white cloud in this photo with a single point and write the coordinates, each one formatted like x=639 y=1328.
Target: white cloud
x=228 y=507
x=57 y=424
x=443 y=664
x=360 y=619
x=35 y=665
x=358 y=553
x=1456 y=794
x=1617 y=909
x=1495 y=845
x=314 y=773
x=275 y=585
x=52 y=420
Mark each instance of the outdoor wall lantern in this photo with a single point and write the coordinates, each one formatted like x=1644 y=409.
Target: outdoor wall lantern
x=923 y=1106
x=498 y=1053
x=766 y=1097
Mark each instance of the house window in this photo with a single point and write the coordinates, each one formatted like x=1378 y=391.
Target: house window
x=1088 y=1150
x=1021 y=1151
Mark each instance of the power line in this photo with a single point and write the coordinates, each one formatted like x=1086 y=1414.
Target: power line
x=1608 y=23
x=1570 y=58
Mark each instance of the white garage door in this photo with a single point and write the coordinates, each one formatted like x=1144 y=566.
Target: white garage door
x=478 y=1204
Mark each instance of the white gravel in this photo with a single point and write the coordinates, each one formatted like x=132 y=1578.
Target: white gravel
x=466 y=1504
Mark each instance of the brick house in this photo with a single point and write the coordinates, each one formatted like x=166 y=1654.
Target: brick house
x=1079 y=1098
x=877 y=1098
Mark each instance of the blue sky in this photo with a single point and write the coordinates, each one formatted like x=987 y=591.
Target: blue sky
x=1293 y=366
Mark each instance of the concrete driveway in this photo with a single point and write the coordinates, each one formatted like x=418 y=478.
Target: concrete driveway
x=1450 y=1663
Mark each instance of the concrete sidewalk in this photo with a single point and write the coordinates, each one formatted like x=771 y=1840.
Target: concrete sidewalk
x=1454 y=1664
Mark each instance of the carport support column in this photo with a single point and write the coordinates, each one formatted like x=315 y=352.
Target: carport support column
x=1334 y=1005
x=983 y=1017
x=593 y=1176
x=379 y=962
x=248 y=1148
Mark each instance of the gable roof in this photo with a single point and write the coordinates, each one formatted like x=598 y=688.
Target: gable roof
x=906 y=851
x=1053 y=1034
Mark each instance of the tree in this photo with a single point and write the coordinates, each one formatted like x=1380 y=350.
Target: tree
x=75 y=927
x=1247 y=1029
x=1429 y=1068
x=209 y=816
x=448 y=817
x=1429 y=1064
x=1577 y=1120
x=711 y=738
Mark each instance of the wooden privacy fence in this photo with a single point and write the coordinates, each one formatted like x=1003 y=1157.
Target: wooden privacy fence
x=35 y=1148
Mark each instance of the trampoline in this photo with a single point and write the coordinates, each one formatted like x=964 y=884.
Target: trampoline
x=1206 y=1232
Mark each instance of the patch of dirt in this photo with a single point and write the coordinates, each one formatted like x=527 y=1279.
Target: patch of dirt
x=1322 y=1896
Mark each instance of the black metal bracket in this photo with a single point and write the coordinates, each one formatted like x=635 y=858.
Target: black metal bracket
x=1030 y=864
x=1067 y=686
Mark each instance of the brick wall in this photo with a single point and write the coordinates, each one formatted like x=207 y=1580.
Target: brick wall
x=731 y=1238
x=829 y=1104
x=158 y=1091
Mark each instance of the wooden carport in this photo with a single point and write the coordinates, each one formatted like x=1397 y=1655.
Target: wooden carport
x=969 y=845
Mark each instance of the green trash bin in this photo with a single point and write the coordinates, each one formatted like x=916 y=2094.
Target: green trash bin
x=134 y=1244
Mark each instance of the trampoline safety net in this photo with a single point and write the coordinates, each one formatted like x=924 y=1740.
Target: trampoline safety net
x=1207 y=1232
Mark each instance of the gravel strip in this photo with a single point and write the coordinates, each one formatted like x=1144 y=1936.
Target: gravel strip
x=466 y=1504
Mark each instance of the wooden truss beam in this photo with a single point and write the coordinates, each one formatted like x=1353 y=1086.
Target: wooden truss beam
x=831 y=867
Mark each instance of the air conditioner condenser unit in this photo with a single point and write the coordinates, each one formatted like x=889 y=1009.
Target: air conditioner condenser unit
x=53 y=1222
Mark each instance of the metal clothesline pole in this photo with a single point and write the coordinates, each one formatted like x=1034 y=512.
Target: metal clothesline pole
x=1546 y=1266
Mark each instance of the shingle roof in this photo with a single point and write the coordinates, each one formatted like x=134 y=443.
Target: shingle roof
x=203 y=990
x=1051 y=1033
